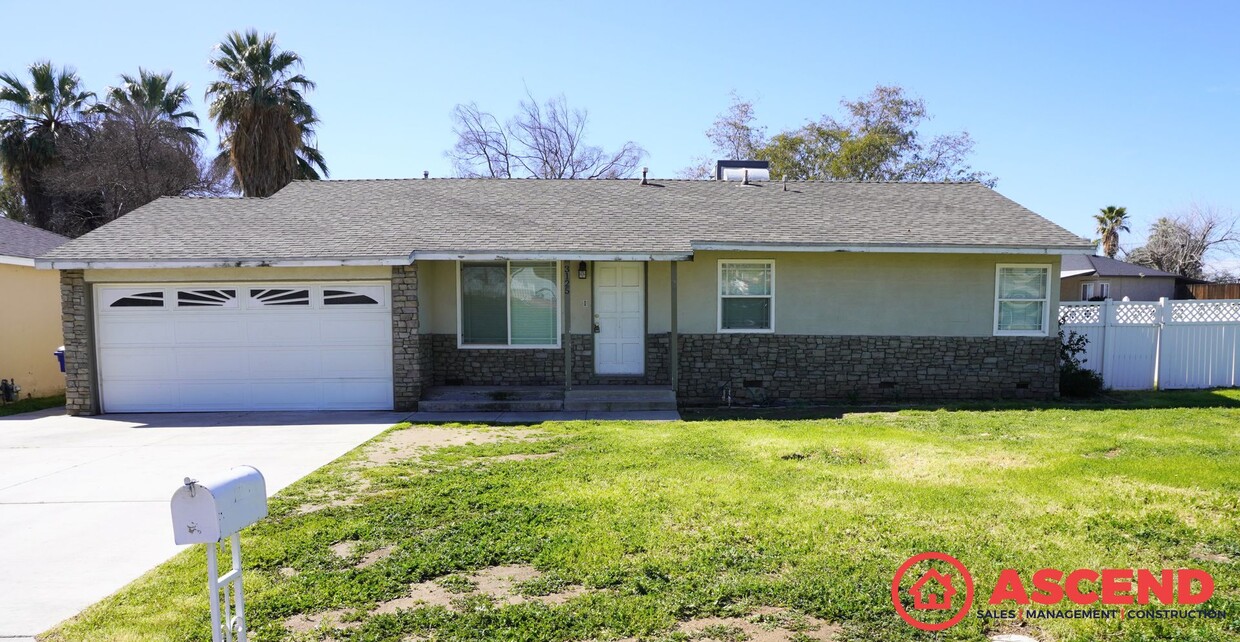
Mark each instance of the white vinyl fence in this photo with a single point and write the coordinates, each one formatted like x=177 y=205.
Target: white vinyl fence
x=1140 y=345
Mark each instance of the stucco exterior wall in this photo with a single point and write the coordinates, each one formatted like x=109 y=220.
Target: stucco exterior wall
x=875 y=294
x=863 y=293
x=30 y=329
x=1134 y=287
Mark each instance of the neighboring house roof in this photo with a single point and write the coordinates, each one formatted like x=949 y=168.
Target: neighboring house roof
x=21 y=243
x=394 y=221
x=1101 y=266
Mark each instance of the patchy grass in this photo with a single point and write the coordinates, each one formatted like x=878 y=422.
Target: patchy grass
x=723 y=530
x=31 y=405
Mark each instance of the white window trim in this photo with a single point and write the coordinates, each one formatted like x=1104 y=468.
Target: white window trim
x=1046 y=308
x=1096 y=285
x=719 y=297
x=559 y=310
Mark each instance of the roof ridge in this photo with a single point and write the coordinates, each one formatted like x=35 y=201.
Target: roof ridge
x=601 y=180
x=31 y=227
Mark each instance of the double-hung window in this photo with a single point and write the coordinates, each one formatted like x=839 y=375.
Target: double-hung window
x=746 y=296
x=1022 y=299
x=509 y=304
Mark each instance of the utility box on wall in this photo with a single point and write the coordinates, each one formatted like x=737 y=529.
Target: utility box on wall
x=210 y=510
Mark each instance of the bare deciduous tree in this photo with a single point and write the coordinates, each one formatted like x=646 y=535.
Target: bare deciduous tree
x=123 y=163
x=733 y=136
x=1182 y=243
x=542 y=141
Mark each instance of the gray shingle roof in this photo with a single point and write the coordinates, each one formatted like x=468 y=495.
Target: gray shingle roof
x=1103 y=266
x=373 y=219
x=25 y=242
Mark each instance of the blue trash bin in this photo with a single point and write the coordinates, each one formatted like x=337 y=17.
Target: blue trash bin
x=60 y=356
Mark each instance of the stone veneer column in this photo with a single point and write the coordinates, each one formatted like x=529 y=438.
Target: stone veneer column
x=76 y=318
x=407 y=354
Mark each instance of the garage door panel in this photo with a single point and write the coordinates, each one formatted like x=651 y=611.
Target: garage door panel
x=142 y=396
x=356 y=331
x=208 y=328
x=358 y=394
x=285 y=363
x=210 y=363
x=277 y=329
x=138 y=363
x=125 y=331
x=353 y=363
x=253 y=356
x=213 y=395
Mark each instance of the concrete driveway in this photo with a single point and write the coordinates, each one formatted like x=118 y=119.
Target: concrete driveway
x=84 y=500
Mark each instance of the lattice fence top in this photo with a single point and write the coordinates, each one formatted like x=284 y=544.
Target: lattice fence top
x=1136 y=313
x=1089 y=314
x=1205 y=311
x=1147 y=312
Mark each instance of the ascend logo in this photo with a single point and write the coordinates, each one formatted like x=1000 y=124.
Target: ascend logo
x=940 y=587
x=940 y=590
x=1116 y=587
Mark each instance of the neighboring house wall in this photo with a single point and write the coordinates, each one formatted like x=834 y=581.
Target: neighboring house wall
x=30 y=329
x=1136 y=288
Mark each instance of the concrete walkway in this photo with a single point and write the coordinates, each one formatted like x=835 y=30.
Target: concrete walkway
x=84 y=501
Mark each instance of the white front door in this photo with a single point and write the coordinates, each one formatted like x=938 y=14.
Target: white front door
x=619 y=318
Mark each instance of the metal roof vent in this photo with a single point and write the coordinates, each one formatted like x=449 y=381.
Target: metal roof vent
x=742 y=170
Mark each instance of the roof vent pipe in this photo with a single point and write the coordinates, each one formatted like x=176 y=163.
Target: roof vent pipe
x=425 y=174
x=785 y=183
x=746 y=180
x=644 y=170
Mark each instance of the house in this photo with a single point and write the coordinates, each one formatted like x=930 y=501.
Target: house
x=365 y=293
x=1084 y=277
x=29 y=311
x=933 y=591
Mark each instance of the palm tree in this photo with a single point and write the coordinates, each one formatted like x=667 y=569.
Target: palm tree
x=266 y=126
x=1111 y=221
x=150 y=99
x=34 y=119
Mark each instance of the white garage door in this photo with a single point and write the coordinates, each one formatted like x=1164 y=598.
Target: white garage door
x=239 y=346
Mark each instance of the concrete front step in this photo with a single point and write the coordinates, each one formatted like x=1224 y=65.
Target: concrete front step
x=547 y=399
x=619 y=398
x=492 y=399
x=487 y=405
x=618 y=406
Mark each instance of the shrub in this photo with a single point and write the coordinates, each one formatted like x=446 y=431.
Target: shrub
x=1075 y=380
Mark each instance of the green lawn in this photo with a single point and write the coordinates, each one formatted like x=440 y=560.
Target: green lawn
x=647 y=525
x=31 y=405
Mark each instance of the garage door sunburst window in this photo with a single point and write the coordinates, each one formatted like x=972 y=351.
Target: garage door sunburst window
x=206 y=298
x=281 y=296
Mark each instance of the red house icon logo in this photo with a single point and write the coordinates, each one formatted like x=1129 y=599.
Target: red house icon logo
x=927 y=589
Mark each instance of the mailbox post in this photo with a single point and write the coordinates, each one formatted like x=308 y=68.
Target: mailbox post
x=213 y=510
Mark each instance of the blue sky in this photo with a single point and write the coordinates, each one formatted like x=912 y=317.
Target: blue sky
x=1073 y=105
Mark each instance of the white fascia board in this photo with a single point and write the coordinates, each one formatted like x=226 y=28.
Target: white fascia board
x=16 y=260
x=552 y=256
x=57 y=264
x=905 y=249
x=1067 y=273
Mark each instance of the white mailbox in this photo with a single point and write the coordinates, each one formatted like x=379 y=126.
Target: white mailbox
x=212 y=509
